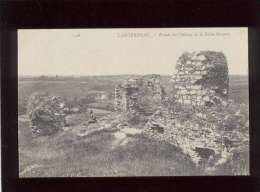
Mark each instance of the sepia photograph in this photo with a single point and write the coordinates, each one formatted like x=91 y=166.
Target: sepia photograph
x=133 y=102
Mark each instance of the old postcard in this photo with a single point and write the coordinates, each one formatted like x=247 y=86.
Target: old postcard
x=133 y=102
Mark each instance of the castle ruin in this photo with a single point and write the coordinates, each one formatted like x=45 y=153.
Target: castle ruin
x=201 y=79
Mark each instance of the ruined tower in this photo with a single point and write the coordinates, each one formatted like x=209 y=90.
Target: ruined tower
x=131 y=93
x=126 y=95
x=201 y=78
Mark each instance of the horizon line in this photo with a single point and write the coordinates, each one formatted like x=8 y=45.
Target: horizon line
x=75 y=75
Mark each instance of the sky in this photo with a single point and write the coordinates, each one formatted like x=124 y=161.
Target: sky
x=124 y=51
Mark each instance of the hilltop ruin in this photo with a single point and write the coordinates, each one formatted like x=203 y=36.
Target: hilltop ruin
x=204 y=127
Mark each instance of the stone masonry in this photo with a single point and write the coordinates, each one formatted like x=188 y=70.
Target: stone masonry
x=201 y=78
x=129 y=92
x=126 y=96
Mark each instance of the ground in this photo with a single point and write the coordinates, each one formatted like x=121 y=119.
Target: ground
x=102 y=153
x=79 y=151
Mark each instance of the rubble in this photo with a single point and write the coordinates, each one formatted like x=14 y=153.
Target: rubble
x=46 y=113
x=203 y=137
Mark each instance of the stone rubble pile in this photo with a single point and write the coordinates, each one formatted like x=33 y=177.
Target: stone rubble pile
x=196 y=135
x=46 y=113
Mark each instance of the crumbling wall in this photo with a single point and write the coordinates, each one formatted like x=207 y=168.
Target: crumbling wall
x=201 y=78
x=46 y=113
x=215 y=135
x=153 y=87
x=134 y=93
x=126 y=98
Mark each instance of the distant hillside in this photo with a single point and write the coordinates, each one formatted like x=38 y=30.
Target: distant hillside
x=80 y=87
x=238 y=88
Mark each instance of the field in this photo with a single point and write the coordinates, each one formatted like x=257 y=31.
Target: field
x=107 y=152
x=81 y=87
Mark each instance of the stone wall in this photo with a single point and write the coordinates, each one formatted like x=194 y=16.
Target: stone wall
x=201 y=78
x=126 y=96
x=129 y=94
x=219 y=132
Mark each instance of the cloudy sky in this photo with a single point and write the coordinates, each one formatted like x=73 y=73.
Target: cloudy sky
x=124 y=51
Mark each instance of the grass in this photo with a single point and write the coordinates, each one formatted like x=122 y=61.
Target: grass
x=67 y=155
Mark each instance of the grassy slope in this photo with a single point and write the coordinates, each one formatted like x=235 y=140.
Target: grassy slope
x=66 y=154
